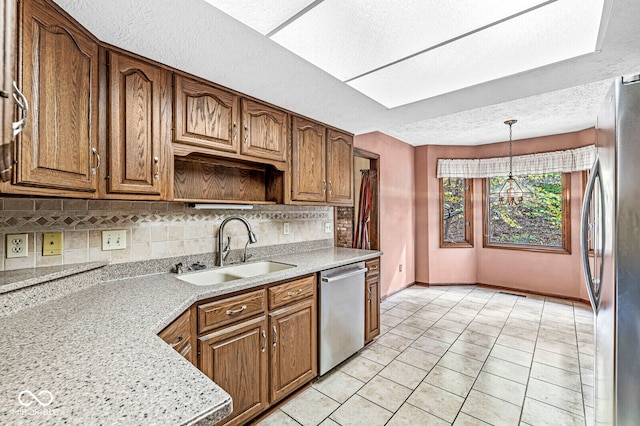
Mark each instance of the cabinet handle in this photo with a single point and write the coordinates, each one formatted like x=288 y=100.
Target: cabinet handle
x=230 y=312
x=275 y=336
x=95 y=152
x=173 y=345
x=369 y=296
x=264 y=338
x=294 y=293
x=156 y=162
x=21 y=101
x=330 y=187
x=324 y=188
x=246 y=135
x=235 y=132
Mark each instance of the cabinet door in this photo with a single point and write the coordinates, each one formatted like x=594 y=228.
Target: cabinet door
x=58 y=148
x=309 y=160
x=264 y=131
x=134 y=133
x=235 y=357
x=371 y=309
x=205 y=116
x=293 y=347
x=7 y=63
x=340 y=168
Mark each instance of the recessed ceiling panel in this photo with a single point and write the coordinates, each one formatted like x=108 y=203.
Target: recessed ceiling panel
x=262 y=15
x=347 y=38
x=558 y=31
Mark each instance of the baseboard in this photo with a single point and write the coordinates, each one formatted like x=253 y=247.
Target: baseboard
x=506 y=289
x=386 y=296
x=534 y=293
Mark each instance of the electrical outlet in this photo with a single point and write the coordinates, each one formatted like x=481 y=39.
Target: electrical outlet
x=17 y=245
x=114 y=240
x=328 y=227
x=285 y=228
x=400 y=267
x=52 y=244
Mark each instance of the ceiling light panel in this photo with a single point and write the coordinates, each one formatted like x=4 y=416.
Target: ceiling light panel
x=347 y=38
x=558 y=31
x=262 y=15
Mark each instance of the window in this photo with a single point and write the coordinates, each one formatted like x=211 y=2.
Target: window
x=541 y=222
x=456 y=212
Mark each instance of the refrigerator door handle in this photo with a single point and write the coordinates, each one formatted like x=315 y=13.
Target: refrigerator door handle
x=584 y=233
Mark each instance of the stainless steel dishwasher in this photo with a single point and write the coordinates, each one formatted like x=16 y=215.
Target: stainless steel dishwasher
x=341 y=314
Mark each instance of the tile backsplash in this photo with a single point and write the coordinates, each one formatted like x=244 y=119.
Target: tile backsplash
x=154 y=230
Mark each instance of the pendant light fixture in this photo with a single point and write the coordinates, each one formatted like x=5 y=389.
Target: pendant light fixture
x=511 y=193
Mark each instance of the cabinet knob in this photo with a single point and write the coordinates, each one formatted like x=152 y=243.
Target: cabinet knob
x=231 y=312
x=21 y=101
x=173 y=345
x=98 y=160
x=156 y=162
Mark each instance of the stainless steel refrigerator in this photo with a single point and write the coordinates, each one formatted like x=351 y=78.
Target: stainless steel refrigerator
x=611 y=255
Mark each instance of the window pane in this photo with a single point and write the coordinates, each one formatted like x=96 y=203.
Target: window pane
x=537 y=220
x=453 y=210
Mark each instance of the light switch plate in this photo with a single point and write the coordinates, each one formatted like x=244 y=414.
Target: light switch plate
x=285 y=228
x=17 y=245
x=114 y=240
x=328 y=227
x=52 y=244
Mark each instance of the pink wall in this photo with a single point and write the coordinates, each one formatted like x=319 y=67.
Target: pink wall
x=397 y=211
x=548 y=273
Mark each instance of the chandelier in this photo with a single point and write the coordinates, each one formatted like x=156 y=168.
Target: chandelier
x=511 y=193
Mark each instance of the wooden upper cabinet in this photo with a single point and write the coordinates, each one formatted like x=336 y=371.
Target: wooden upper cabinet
x=339 y=167
x=205 y=116
x=135 y=130
x=308 y=164
x=264 y=131
x=59 y=61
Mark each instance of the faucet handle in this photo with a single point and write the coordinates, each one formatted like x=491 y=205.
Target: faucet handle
x=226 y=249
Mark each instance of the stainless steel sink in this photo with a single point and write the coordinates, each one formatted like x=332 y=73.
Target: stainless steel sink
x=236 y=272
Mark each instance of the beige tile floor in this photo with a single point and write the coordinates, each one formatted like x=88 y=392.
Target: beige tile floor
x=461 y=355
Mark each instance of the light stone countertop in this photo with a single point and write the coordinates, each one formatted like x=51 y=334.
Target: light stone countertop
x=98 y=355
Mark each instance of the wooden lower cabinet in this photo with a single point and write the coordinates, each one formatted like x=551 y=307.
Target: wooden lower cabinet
x=371 y=309
x=293 y=347
x=372 y=300
x=235 y=357
x=259 y=355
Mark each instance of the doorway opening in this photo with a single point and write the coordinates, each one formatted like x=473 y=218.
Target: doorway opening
x=348 y=231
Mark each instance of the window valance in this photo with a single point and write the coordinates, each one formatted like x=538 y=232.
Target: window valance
x=571 y=160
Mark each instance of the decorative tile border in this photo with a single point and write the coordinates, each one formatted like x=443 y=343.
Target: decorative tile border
x=141 y=213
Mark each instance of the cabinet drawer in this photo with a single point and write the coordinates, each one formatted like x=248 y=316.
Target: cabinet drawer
x=177 y=333
x=373 y=267
x=282 y=294
x=216 y=314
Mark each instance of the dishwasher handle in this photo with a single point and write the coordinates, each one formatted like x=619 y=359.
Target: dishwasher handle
x=343 y=276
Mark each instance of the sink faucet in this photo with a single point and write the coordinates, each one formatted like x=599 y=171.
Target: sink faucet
x=223 y=252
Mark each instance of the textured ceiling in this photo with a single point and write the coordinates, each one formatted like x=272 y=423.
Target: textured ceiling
x=193 y=36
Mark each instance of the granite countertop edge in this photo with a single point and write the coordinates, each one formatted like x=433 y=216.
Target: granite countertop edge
x=22 y=278
x=125 y=306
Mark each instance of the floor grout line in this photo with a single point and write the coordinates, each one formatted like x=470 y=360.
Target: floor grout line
x=459 y=298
